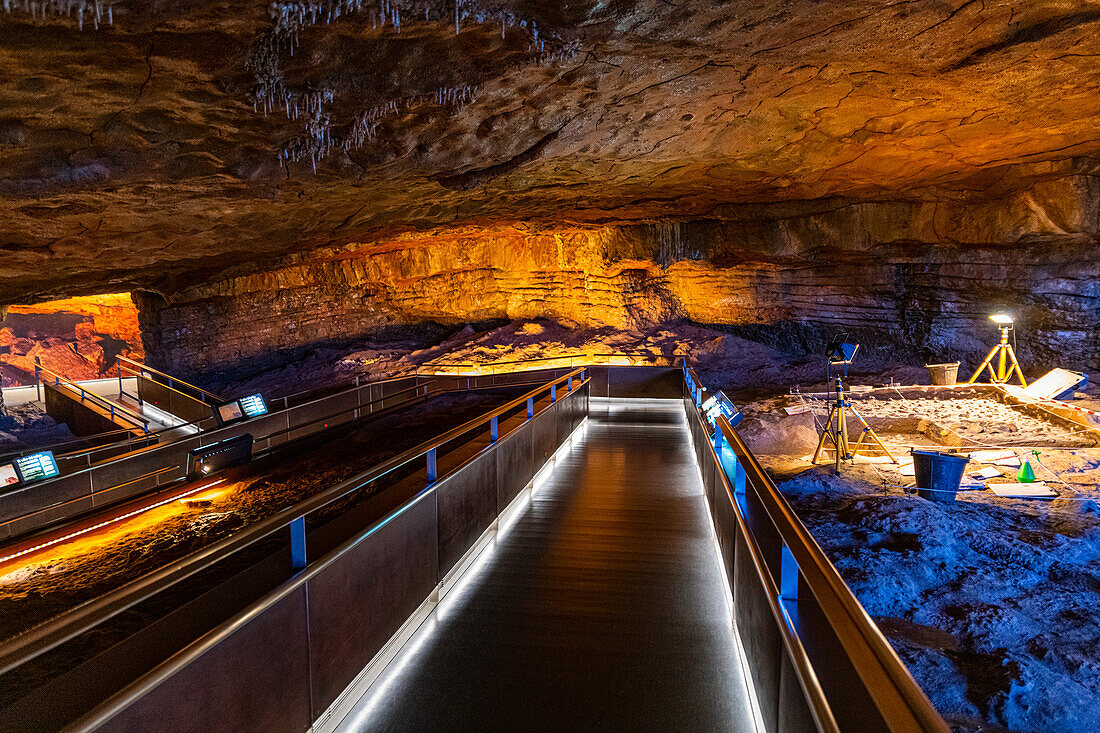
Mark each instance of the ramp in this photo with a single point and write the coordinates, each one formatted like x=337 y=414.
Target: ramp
x=601 y=607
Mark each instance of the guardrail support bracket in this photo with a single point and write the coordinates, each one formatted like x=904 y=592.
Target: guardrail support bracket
x=298 y=543
x=788 y=576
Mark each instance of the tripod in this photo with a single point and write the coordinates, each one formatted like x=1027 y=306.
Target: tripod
x=1004 y=353
x=838 y=434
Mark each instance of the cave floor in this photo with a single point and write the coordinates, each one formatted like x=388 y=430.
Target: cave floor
x=991 y=602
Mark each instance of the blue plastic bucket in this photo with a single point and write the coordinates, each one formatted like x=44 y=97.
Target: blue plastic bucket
x=938 y=474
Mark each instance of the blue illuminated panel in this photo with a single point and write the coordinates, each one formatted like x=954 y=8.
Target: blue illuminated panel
x=253 y=405
x=36 y=466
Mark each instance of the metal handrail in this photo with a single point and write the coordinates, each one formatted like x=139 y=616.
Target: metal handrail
x=572 y=358
x=55 y=631
x=195 y=423
x=900 y=700
x=415 y=388
x=426 y=386
x=124 y=412
x=351 y=383
x=140 y=367
x=807 y=677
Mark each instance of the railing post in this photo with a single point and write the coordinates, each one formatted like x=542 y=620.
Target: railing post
x=553 y=393
x=493 y=430
x=739 y=477
x=432 y=470
x=570 y=382
x=788 y=576
x=530 y=407
x=298 y=543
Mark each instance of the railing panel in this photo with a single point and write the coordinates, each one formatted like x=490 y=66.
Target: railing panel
x=467 y=506
x=726 y=528
x=47 y=516
x=544 y=430
x=116 y=473
x=758 y=632
x=359 y=599
x=852 y=705
x=515 y=465
x=34 y=497
x=641 y=382
x=794 y=713
x=172 y=401
x=230 y=686
x=313 y=417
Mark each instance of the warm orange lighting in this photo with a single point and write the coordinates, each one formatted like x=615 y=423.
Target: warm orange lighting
x=107 y=523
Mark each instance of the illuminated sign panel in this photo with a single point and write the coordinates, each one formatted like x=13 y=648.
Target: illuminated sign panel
x=719 y=404
x=253 y=405
x=8 y=476
x=229 y=412
x=36 y=466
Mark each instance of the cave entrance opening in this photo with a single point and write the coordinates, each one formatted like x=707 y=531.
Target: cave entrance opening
x=79 y=338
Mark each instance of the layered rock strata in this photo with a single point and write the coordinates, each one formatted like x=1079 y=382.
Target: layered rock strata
x=915 y=278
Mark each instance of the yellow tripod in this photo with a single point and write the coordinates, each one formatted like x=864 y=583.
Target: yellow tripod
x=836 y=431
x=1004 y=353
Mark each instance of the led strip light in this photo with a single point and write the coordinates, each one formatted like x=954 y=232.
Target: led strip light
x=94 y=527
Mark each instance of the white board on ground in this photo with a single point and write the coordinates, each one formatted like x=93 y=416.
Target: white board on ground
x=1054 y=384
x=1036 y=490
x=991 y=456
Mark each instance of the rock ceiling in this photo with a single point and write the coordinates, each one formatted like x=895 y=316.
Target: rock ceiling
x=151 y=143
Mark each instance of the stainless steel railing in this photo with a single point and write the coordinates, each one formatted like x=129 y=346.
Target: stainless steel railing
x=801 y=578
x=191 y=391
x=138 y=422
x=41 y=638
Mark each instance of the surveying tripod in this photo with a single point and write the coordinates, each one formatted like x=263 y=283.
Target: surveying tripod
x=837 y=433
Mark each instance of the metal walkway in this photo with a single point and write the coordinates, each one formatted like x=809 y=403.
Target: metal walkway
x=601 y=607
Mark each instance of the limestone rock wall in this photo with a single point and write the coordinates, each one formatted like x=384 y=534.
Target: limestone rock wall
x=78 y=338
x=917 y=278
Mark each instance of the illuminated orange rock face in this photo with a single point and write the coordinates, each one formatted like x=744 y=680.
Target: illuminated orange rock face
x=79 y=337
x=790 y=282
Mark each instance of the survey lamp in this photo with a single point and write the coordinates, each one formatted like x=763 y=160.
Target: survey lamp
x=1001 y=319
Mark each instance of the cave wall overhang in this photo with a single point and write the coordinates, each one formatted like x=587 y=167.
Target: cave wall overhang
x=176 y=140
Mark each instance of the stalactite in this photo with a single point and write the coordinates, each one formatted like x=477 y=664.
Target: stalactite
x=40 y=9
x=317 y=139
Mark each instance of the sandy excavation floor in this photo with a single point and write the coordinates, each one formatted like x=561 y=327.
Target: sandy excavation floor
x=993 y=603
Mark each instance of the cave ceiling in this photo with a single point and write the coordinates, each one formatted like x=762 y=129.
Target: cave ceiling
x=151 y=144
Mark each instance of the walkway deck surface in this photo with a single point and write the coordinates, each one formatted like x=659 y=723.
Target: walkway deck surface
x=601 y=608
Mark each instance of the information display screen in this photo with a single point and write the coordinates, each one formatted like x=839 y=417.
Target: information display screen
x=36 y=466
x=253 y=405
x=229 y=412
x=8 y=476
